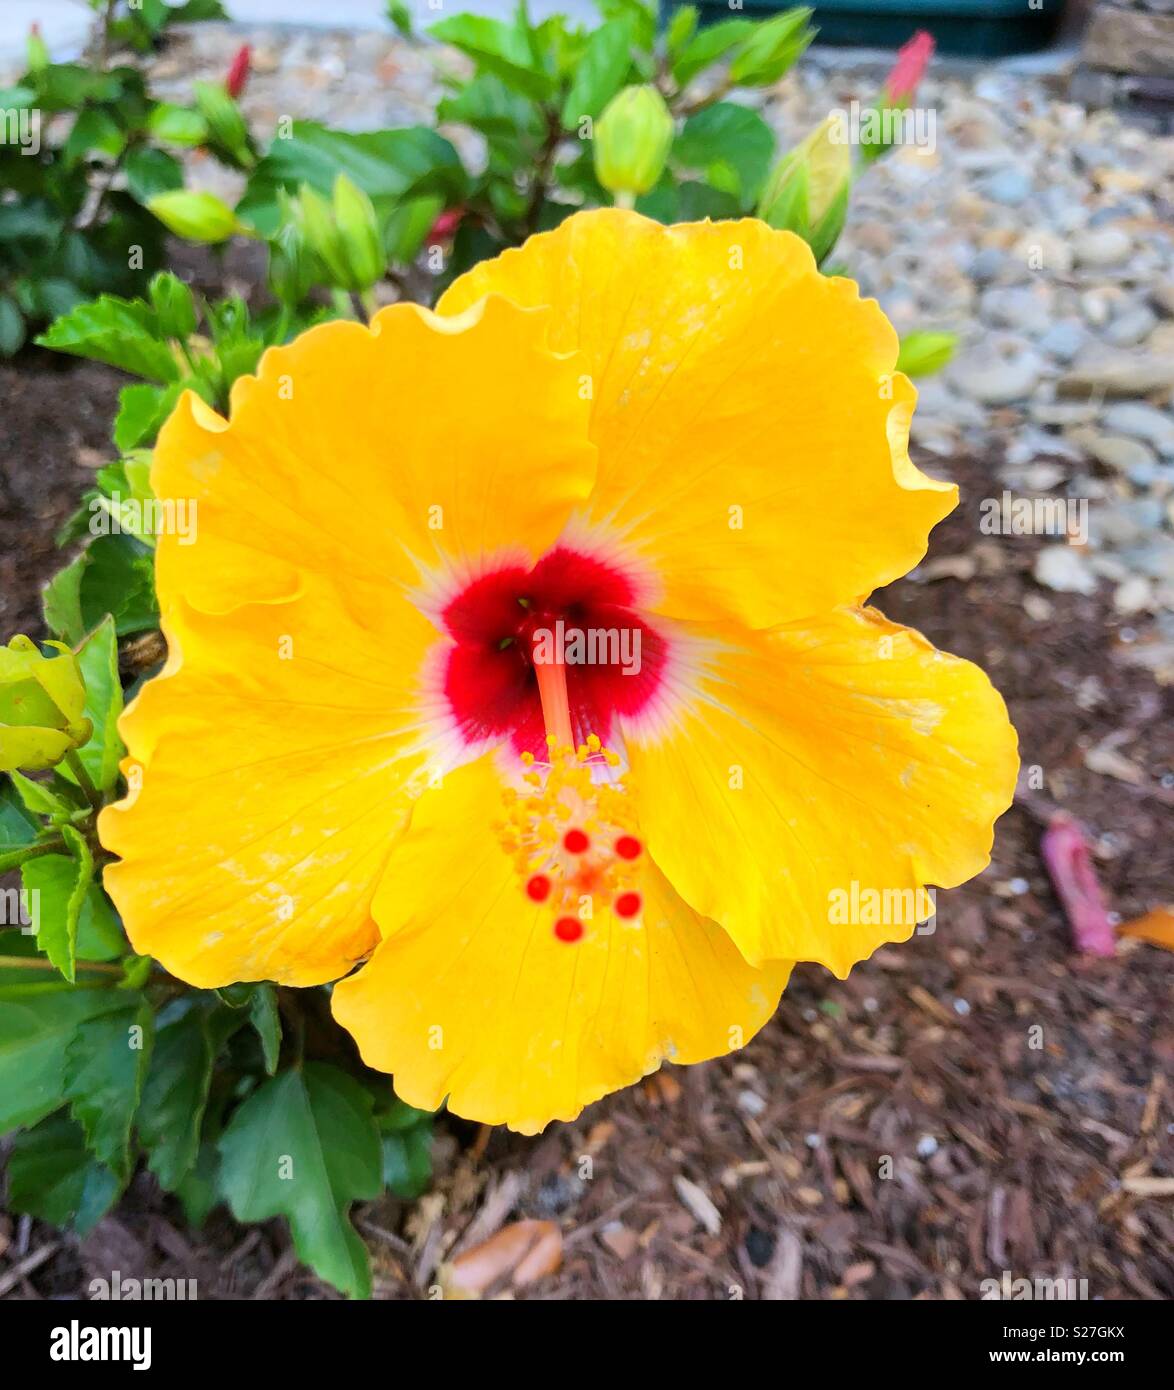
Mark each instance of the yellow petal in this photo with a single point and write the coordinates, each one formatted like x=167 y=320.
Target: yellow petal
x=824 y=773
x=752 y=429
x=368 y=454
x=470 y=995
x=271 y=767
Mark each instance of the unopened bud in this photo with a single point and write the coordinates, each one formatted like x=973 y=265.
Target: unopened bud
x=808 y=190
x=632 y=141
x=42 y=703
x=196 y=216
x=358 y=229
x=174 y=306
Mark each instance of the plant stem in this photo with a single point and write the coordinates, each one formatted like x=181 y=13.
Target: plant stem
x=538 y=189
x=624 y=199
x=716 y=95
x=78 y=768
x=39 y=963
x=55 y=846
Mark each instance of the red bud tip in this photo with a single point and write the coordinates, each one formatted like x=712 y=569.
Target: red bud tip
x=909 y=69
x=238 y=72
x=445 y=225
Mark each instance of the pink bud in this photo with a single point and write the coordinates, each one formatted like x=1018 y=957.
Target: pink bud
x=445 y=225
x=238 y=72
x=909 y=69
x=1070 y=865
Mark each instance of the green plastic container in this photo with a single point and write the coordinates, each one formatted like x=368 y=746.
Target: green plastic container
x=975 y=28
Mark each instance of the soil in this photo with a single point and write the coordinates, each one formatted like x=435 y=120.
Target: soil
x=978 y=1100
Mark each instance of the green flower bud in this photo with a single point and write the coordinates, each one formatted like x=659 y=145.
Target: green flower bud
x=632 y=141
x=808 y=190
x=174 y=306
x=226 y=125
x=36 y=51
x=358 y=228
x=196 y=216
x=316 y=224
x=292 y=269
x=42 y=700
x=922 y=354
x=772 y=49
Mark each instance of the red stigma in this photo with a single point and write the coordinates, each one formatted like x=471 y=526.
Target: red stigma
x=568 y=929
x=628 y=847
x=538 y=888
x=575 y=841
x=627 y=905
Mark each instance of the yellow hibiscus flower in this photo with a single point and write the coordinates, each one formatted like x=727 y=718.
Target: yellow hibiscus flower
x=521 y=654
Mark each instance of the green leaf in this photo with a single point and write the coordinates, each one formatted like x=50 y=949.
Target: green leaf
x=18 y=828
x=11 y=327
x=176 y=1092
x=496 y=47
x=407 y=228
x=119 y=578
x=407 y=1149
x=772 y=49
x=119 y=332
x=681 y=28
x=388 y=165
x=98 y=659
x=99 y=932
x=265 y=1019
x=407 y=1162
x=42 y=799
x=601 y=73
x=732 y=145
x=304 y=1146
x=34 y=1036
x=52 y=1177
x=640 y=16
x=104 y=1070
x=56 y=885
x=94 y=130
x=487 y=104
x=199 y=1190
x=177 y=125
x=150 y=171
x=61 y=602
x=141 y=412
x=708 y=46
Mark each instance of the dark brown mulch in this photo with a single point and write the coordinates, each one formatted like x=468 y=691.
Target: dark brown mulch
x=1003 y=1156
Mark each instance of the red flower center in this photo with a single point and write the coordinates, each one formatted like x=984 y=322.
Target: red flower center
x=514 y=629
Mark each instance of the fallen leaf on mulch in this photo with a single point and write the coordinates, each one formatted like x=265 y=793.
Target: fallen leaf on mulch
x=1069 y=861
x=520 y=1253
x=1156 y=927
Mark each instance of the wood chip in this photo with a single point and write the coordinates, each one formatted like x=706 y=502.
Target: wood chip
x=700 y=1204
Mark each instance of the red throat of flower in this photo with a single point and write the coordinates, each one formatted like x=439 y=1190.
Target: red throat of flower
x=558 y=649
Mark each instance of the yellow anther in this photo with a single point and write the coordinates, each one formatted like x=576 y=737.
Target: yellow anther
x=593 y=743
x=551 y=741
x=527 y=758
x=582 y=752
